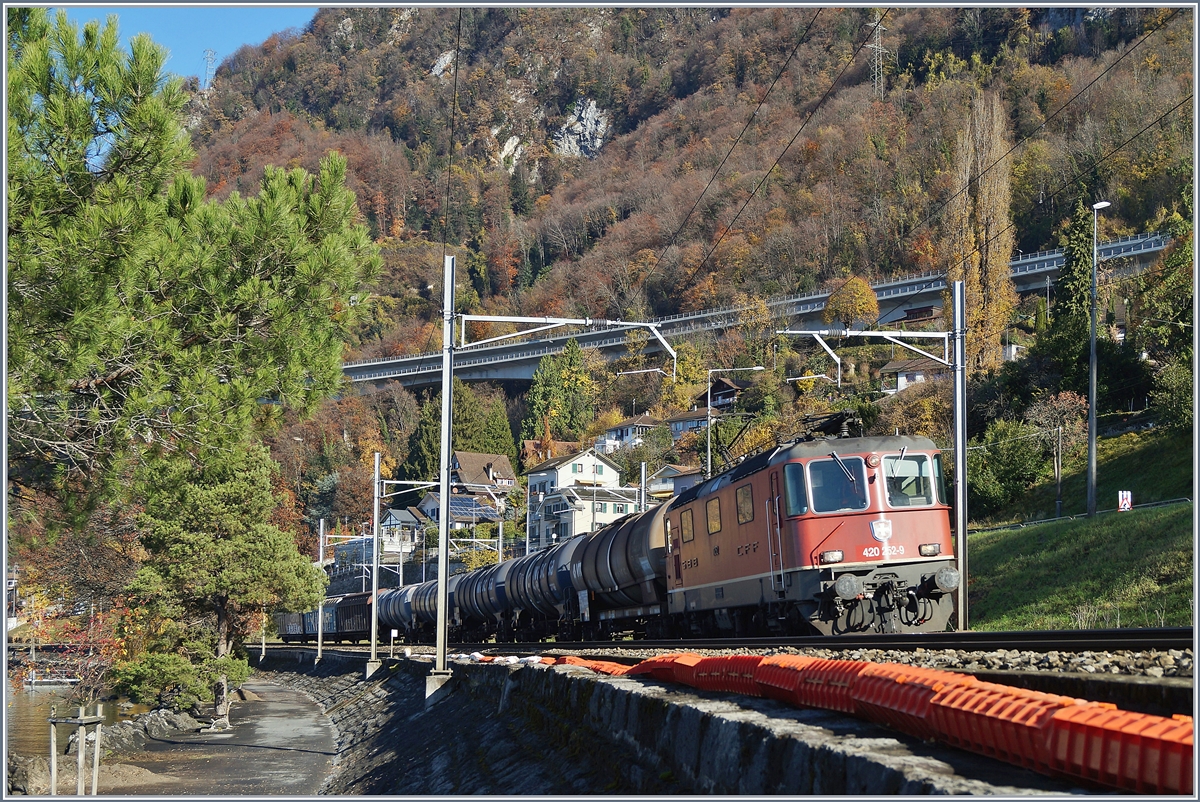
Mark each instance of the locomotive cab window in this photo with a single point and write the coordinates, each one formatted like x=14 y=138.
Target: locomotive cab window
x=797 y=497
x=838 y=484
x=685 y=526
x=745 y=504
x=713 y=509
x=909 y=480
x=940 y=479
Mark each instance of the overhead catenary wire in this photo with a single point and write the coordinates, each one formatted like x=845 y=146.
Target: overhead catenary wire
x=833 y=85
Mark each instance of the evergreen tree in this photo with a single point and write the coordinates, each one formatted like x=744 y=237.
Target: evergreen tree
x=497 y=435
x=544 y=400
x=141 y=316
x=578 y=390
x=469 y=432
x=1070 y=317
x=213 y=554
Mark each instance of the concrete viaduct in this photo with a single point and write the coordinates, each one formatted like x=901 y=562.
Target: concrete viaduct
x=518 y=359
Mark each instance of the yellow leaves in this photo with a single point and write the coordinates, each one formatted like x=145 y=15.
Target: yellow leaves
x=853 y=301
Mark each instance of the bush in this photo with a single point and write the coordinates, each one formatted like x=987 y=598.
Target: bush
x=1172 y=395
x=1001 y=466
x=151 y=678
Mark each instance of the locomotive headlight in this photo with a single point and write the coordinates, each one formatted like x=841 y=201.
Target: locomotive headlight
x=873 y=460
x=946 y=579
x=835 y=556
x=930 y=549
x=847 y=587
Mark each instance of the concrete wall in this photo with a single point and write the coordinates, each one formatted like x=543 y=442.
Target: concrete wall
x=534 y=729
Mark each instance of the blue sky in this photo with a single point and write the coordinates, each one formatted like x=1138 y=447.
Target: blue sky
x=187 y=31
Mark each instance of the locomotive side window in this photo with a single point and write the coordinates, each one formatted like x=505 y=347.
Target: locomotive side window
x=685 y=526
x=713 y=508
x=745 y=504
x=940 y=477
x=909 y=480
x=797 y=498
x=832 y=488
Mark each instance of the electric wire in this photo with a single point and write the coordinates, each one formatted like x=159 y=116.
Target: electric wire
x=936 y=212
x=833 y=85
x=738 y=138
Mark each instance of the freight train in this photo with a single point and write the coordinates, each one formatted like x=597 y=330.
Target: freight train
x=821 y=535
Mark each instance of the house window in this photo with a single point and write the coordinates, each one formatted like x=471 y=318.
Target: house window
x=601 y=506
x=619 y=509
x=745 y=504
x=685 y=526
x=576 y=467
x=599 y=470
x=713 y=509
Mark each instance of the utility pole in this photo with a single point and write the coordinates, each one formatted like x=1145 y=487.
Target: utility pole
x=878 y=55
x=210 y=60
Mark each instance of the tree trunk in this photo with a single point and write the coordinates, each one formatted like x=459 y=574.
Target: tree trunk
x=221 y=686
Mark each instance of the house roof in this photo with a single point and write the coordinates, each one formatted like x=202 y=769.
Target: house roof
x=638 y=420
x=531 y=450
x=473 y=468
x=401 y=517
x=695 y=414
x=673 y=471
x=466 y=508
x=906 y=365
x=551 y=464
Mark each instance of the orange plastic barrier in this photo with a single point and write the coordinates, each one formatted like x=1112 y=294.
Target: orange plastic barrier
x=779 y=676
x=898 y=695
x=998 y=720
x=1130 y=751
x=668 y=667
x=599 y=666
x=826 y=684
x=732 y=673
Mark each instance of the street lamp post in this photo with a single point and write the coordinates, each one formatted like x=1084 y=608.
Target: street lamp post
x=708 y=412
x=1091 y=469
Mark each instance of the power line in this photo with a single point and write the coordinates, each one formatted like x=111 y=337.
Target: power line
x=787 y=147
x=936 y=212
x=738 y=138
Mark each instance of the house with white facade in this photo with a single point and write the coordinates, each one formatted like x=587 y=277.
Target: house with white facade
x=628 y=432
x=907 y=372
x=575 y=494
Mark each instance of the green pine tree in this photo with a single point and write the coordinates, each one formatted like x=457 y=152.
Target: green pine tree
x=212 y=552
x=1067 y=341
x=544 y=401
x=497 y=433
x=143 y=317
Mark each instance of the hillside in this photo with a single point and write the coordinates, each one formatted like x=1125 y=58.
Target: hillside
x=640 y=162
x=1119 y=569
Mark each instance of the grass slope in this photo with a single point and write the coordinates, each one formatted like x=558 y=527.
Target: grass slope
x=1130 y=569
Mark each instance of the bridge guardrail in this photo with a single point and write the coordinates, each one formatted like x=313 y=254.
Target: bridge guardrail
x=805 y=302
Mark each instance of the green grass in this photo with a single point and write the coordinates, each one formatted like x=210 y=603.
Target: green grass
x=1155 y=465
x=1128 y=569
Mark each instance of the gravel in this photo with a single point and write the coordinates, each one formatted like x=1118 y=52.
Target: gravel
x=1151 y=663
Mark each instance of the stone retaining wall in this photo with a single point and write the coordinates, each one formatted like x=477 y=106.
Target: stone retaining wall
x=534 y=729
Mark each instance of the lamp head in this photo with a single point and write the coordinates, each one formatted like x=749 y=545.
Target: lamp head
x=1101 y=205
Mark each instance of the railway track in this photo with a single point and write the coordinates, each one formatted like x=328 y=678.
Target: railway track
x=1082 y=640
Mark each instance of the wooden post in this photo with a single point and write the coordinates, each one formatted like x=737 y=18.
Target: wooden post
x=81 y=745
x=96 y=752
x=53 y=753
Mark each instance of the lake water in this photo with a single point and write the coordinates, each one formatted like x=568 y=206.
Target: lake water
x=26 y=714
